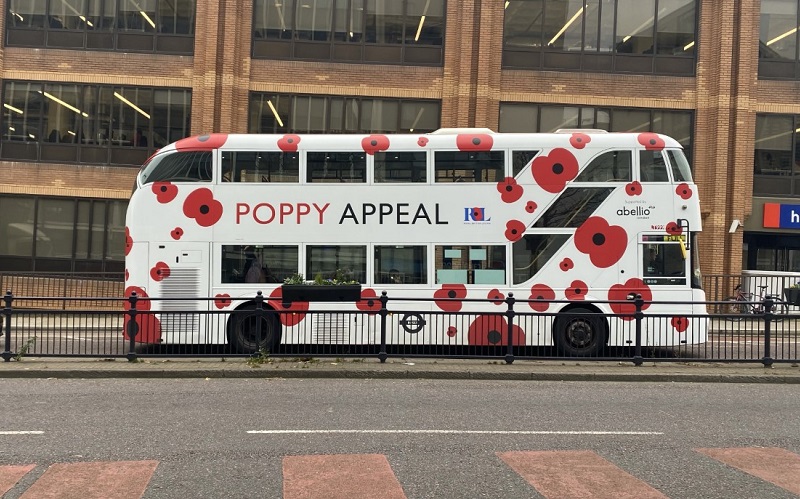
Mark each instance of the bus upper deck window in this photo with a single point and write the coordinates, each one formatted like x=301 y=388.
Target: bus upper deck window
x=192 y=166
x=681 y=170
x=652 y=167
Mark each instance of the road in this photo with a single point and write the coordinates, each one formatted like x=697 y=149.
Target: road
x=295 y=438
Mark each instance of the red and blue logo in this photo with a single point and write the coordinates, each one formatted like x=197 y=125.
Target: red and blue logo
x=781 y=216
x=476 y=215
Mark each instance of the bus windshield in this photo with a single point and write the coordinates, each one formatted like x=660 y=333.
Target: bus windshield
x=191 y=166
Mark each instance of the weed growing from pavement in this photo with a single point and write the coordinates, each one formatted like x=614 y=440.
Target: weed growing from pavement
x=259 y=358
x=23 y=351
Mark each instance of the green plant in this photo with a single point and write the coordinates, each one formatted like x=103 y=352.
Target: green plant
x=340 y=277
x=259 y=358
x=795 y=285
x=23 y=350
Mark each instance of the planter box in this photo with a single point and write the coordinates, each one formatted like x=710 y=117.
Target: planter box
x=305 y=292
x=792 y=295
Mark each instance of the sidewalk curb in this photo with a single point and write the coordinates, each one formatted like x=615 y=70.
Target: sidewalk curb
x=302 y=373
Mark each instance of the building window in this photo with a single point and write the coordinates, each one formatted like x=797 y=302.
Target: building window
x=778 y=40
x=71 y=234
x=162 y=26
x=380 y=31
x=90 y=124
x=524 y=117
x=281 y=113
x=621 y=36
x=776 y=166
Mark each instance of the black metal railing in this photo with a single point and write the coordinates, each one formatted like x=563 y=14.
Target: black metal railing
x=399 y=327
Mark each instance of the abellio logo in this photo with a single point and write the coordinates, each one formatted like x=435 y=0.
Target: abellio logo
x=634 y=211
x=476 y=215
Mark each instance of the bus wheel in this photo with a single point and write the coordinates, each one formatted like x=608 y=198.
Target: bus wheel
x=244 y=335
x=579 y=332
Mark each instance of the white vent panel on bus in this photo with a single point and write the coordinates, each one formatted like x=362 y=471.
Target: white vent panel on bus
x=330 y=329
x=181 y=283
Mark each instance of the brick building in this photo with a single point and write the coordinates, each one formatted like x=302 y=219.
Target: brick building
x=90 y=89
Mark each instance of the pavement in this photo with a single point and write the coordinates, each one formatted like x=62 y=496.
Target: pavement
x=401 y=368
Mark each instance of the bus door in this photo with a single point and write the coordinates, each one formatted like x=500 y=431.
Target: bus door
x=180 y=273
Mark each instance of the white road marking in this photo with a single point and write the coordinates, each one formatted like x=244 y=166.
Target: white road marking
x=31 y=432
x=455 y=432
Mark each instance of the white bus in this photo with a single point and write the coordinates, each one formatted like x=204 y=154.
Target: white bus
x=579 y=217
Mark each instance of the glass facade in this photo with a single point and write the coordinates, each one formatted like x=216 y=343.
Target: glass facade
x=165 y=26
x=522 y=117
x=54 y=234
x=621 y=36
x=776 y=166
x=379 y=31
x=282 y=113
x=94 y=124
x=778 y=40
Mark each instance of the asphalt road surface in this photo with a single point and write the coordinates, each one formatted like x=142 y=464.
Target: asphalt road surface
x=318 y=438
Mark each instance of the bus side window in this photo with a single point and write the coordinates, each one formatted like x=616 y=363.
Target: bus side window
x=652 y=167
x=611 y=166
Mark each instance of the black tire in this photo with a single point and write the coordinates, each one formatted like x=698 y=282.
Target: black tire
x=244 y=335
x=734 y=309
x=579 y=332
x=780 y=310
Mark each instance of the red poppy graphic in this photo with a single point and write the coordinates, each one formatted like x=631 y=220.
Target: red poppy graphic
x=176 y=233
x=530 y=206
x=566 y=264
x=222 y=300
x=544 y=293
x=496 y=297
x=288 y=143
x=127 y=275
x=422 y=141
x=509 y=190
x=165 y=191
x=651 y=141
x=128 y=241
x=674 y=229
x=160 y=271
x=514 y=230
x=474 y=142
x=202 y=142
x=681 y=324
x=452 y=331
x=576 y=291
x=291 y=313
x=579 y=140
x=553 y=171
x=202 y=206
x=375 y=143
x=492 y=330
x=684 y=191
x=634 y=188
x=148 y=327
x=449 y=296
x=605 y=244
x=369 y=302
x=620 y=293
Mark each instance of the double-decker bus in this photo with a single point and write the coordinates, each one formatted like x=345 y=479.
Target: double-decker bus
x=575 y=221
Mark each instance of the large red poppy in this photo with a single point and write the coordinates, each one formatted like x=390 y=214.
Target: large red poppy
x=620 y=293
x=369 y=302
x=202 y=207
x=633 y=189
x=449 y=296
x=554 y=170
x=474 y=142
x=492 y=330
x=128 y=241
x=222 y=300
x=291 y=313
x=148 y=327
x=160 y=271
x=509 y=190
x=202 y=142
x=651 y=141
x=684 y=191
x=577 y=290
x=165 y=191
x=375 y=143
x=541 y=296
x=605 y=244
x=288 y=143
x=579 y=140
x=514 y=230
x=681 y=324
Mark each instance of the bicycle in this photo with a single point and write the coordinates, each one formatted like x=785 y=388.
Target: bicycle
x=753 y=304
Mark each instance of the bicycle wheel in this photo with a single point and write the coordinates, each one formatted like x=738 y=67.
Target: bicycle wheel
x=780 y=309
x=734 y=309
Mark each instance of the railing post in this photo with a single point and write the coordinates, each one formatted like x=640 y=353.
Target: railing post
x=384 y=312
x=133 y=327
x=638 y=316
x=768 y=304
x=7 y=299
x=259 y=318
x=510 y=314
